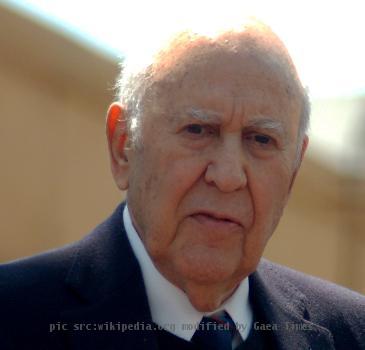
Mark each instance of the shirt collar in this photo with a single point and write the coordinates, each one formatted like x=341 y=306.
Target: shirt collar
x=170 y=307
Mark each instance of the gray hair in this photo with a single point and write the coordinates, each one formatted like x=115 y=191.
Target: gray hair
x=304 y=121
x=131 y=88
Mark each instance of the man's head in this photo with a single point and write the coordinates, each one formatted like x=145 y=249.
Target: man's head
x=220 y=135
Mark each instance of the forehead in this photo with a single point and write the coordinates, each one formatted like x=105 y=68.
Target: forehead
x=236 y=69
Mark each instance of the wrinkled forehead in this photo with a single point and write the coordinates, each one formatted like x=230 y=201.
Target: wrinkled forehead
x=237 y=50
x=234 y=63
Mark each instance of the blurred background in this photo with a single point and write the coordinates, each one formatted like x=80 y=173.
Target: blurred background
x=58 y=63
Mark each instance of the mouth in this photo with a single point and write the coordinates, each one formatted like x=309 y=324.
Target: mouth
x=214 y=218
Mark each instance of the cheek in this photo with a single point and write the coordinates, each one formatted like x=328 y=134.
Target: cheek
x=269 y=186
x=173 y=175
x=161 y=186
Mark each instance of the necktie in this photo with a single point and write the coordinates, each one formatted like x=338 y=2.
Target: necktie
x=215 y=332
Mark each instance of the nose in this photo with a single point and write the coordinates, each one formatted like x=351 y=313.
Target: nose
x=227 y=170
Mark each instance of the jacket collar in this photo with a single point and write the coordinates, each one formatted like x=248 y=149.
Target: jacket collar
x=284 y=309
x=107 y=287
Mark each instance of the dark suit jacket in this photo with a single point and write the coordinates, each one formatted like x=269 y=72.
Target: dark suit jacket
x=58 y=300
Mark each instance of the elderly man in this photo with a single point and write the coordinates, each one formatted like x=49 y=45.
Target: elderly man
x=207 y=139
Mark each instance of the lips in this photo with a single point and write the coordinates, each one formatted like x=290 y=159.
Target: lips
x=216 y=217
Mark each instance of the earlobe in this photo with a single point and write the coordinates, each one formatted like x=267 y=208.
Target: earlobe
x=116 y=130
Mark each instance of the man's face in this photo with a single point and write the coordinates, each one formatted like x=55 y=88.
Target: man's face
x=208 y=185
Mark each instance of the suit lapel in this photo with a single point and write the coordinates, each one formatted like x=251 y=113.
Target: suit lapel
x=284 y=310
x=108 y=293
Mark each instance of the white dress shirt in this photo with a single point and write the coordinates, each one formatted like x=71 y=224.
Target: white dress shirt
x=169 y=305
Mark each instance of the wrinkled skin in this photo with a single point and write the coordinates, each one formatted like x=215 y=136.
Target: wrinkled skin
x=205 y=194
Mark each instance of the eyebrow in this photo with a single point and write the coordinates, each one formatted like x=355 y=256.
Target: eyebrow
x=260 y=122
x=204 y=115
x=267 y=123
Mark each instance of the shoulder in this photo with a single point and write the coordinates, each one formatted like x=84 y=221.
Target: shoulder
x=314 y=288
x=35 y=280
x=35 y=292
x=32 y=294
x=42 y=273
x=332 y=306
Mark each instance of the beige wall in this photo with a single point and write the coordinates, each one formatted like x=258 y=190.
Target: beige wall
x=55 y=180
x=322 y=230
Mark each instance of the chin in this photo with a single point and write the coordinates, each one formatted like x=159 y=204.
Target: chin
x=202 y=304
x=207 y=294
x=206 y=266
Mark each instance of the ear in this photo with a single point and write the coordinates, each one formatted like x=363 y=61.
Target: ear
x=299 y=161
x=116 y=131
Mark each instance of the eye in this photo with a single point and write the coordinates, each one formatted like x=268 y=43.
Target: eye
x=199 y=130
x=195 y=129
x=260 y=141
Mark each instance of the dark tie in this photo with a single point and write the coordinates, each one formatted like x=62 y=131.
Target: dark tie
x=215 y=333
